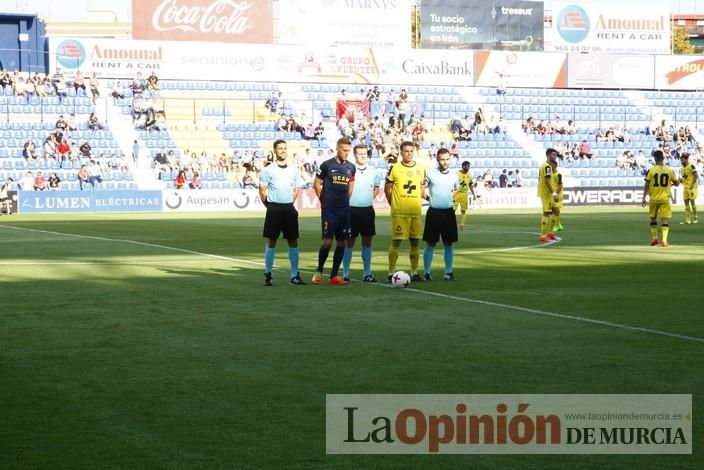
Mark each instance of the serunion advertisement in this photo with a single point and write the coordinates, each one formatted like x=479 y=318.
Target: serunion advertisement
x=610 y=28
x=89 y=201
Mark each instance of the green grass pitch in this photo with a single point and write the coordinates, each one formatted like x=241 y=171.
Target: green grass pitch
x=167 y=352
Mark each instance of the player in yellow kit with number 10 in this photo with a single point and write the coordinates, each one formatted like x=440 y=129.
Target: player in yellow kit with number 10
x=657 y=185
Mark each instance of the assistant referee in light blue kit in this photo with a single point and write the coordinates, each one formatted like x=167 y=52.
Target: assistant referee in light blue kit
x=367 y=185
x=440 y=220
x=279 y=184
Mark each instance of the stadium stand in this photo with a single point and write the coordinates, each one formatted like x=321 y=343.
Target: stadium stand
x=224 y=130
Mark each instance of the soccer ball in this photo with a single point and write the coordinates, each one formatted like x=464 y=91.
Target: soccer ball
x=400 y=279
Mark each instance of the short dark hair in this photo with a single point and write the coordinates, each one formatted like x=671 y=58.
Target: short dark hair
x=550 y=150
x=442 y=152
x=358 y=147
x=278 y=142
x=343 y=141
x=406 y=143
x=466 y=162
x=658 y=155
x=684 y=156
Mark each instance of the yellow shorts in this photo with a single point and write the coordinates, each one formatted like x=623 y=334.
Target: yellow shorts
x=548 y=203
x=690 y=193
x=460 y=199
x=558 y=204
x=663 y=208
x=404 y=227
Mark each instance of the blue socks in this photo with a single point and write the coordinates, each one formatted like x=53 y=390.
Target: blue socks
x=293 y=259
x=366 y=259
x=428 y=257
x=347 y=261
x=449 y=258
x=269 y=254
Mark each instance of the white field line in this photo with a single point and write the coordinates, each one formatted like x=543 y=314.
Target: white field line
x=516 y=308
x=133 y=242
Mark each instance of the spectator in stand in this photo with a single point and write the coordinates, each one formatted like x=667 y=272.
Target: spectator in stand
x=85 y=150
x=519 y=179
x=403 y=107
x=29 y=152
x=661 y=132
x=557 y=127
x=79 y=82
x=117 y=92
x=83 y=179
x=5 y=81
x=93 y=123
x=27 y=182
x=50 y=144
x=479 y=121
x=541 y=128
x=94 y=86
x=71 y=124
x=43 y=88
x=30 y=87
x=195 y=181
x=153 y=82
x=40 y=183
x=138 y=84
x=150 y=121
x=272 y=104
x=529 y=126
x=419 y=131
x=63 y=152
x=54 y=182
x=503 y=179
x=61 y=123
x=585 y=151
x=320 y=131
x=454 y=151
x=19 y=87
x=622 y=161
x=181 y=180
x=94 y=173
x=488 y=178
x=59 y=85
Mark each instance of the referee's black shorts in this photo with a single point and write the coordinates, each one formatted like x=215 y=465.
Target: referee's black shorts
x=281 y=218
x=440 y=223
x=363 y=221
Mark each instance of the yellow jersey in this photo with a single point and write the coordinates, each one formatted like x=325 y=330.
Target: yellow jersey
x=545 y=170
x=407 y=188
x=464 y=181
x=556 y=181
x=660 y=178
x=688 y=175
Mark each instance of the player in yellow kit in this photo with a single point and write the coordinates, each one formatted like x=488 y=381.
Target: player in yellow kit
x=464 y=179
x=548 y=194
x=404 y=191
x=657 y=185
x=556 y=180
x=690 y=181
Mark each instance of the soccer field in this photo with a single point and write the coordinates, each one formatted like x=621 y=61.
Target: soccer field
x=149 y=341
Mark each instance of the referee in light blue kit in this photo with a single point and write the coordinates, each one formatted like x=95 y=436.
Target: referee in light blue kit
x=279 y=184
x=440 y=220
x=367 y=184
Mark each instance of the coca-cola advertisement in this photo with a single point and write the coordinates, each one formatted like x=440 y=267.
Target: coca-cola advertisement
x=203 y=20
